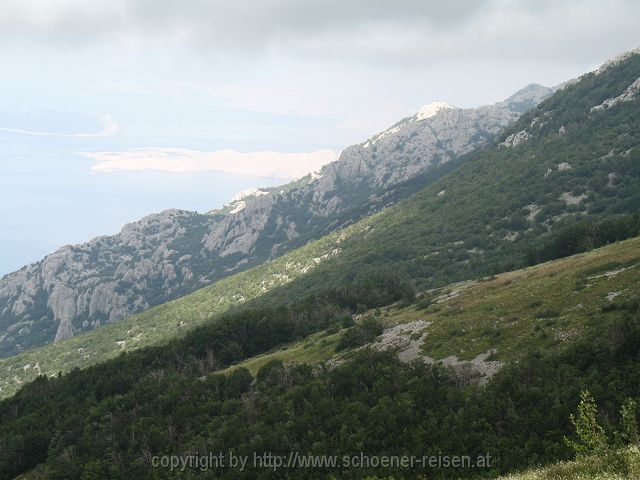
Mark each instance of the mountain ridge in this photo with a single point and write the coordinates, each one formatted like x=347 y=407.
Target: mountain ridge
x=169 y=254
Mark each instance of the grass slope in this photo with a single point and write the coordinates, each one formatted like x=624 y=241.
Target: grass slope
x=542 y=307
x=586 y=468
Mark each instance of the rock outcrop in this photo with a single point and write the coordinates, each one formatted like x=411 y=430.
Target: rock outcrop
x=630 y=93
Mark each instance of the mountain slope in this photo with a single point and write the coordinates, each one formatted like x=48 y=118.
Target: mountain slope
x=489 y=214
x=545 y=307
x=161 y=324
x=560 y=164
x=174 y=399
x=164 y=256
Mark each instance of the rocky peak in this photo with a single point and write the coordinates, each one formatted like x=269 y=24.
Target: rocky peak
x=431 y=109
x=527 y=97
x=617 y=60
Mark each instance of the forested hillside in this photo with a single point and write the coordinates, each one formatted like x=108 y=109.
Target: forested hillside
x=112 y=420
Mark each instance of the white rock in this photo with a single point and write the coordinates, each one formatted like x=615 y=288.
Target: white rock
x=631 y=93
x=564 y=166
x=616 y=60
x=515 y=139
x=432 y=109
x=250 y=192
x=571 y=199
x=240 y=206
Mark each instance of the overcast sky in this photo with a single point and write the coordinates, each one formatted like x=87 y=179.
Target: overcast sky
x=153 y=86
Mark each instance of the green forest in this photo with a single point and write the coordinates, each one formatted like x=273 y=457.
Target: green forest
x=109 y=421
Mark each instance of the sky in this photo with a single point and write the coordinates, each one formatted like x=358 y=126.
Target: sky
x=113 y=110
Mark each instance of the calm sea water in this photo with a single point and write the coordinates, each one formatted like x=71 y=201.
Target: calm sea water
x=49 y=198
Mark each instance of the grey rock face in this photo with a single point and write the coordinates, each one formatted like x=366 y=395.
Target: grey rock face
x=169 y=254
x=628 y=95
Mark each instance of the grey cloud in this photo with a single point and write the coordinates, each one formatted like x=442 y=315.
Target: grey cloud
x=241 y=23
x=373 y=32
